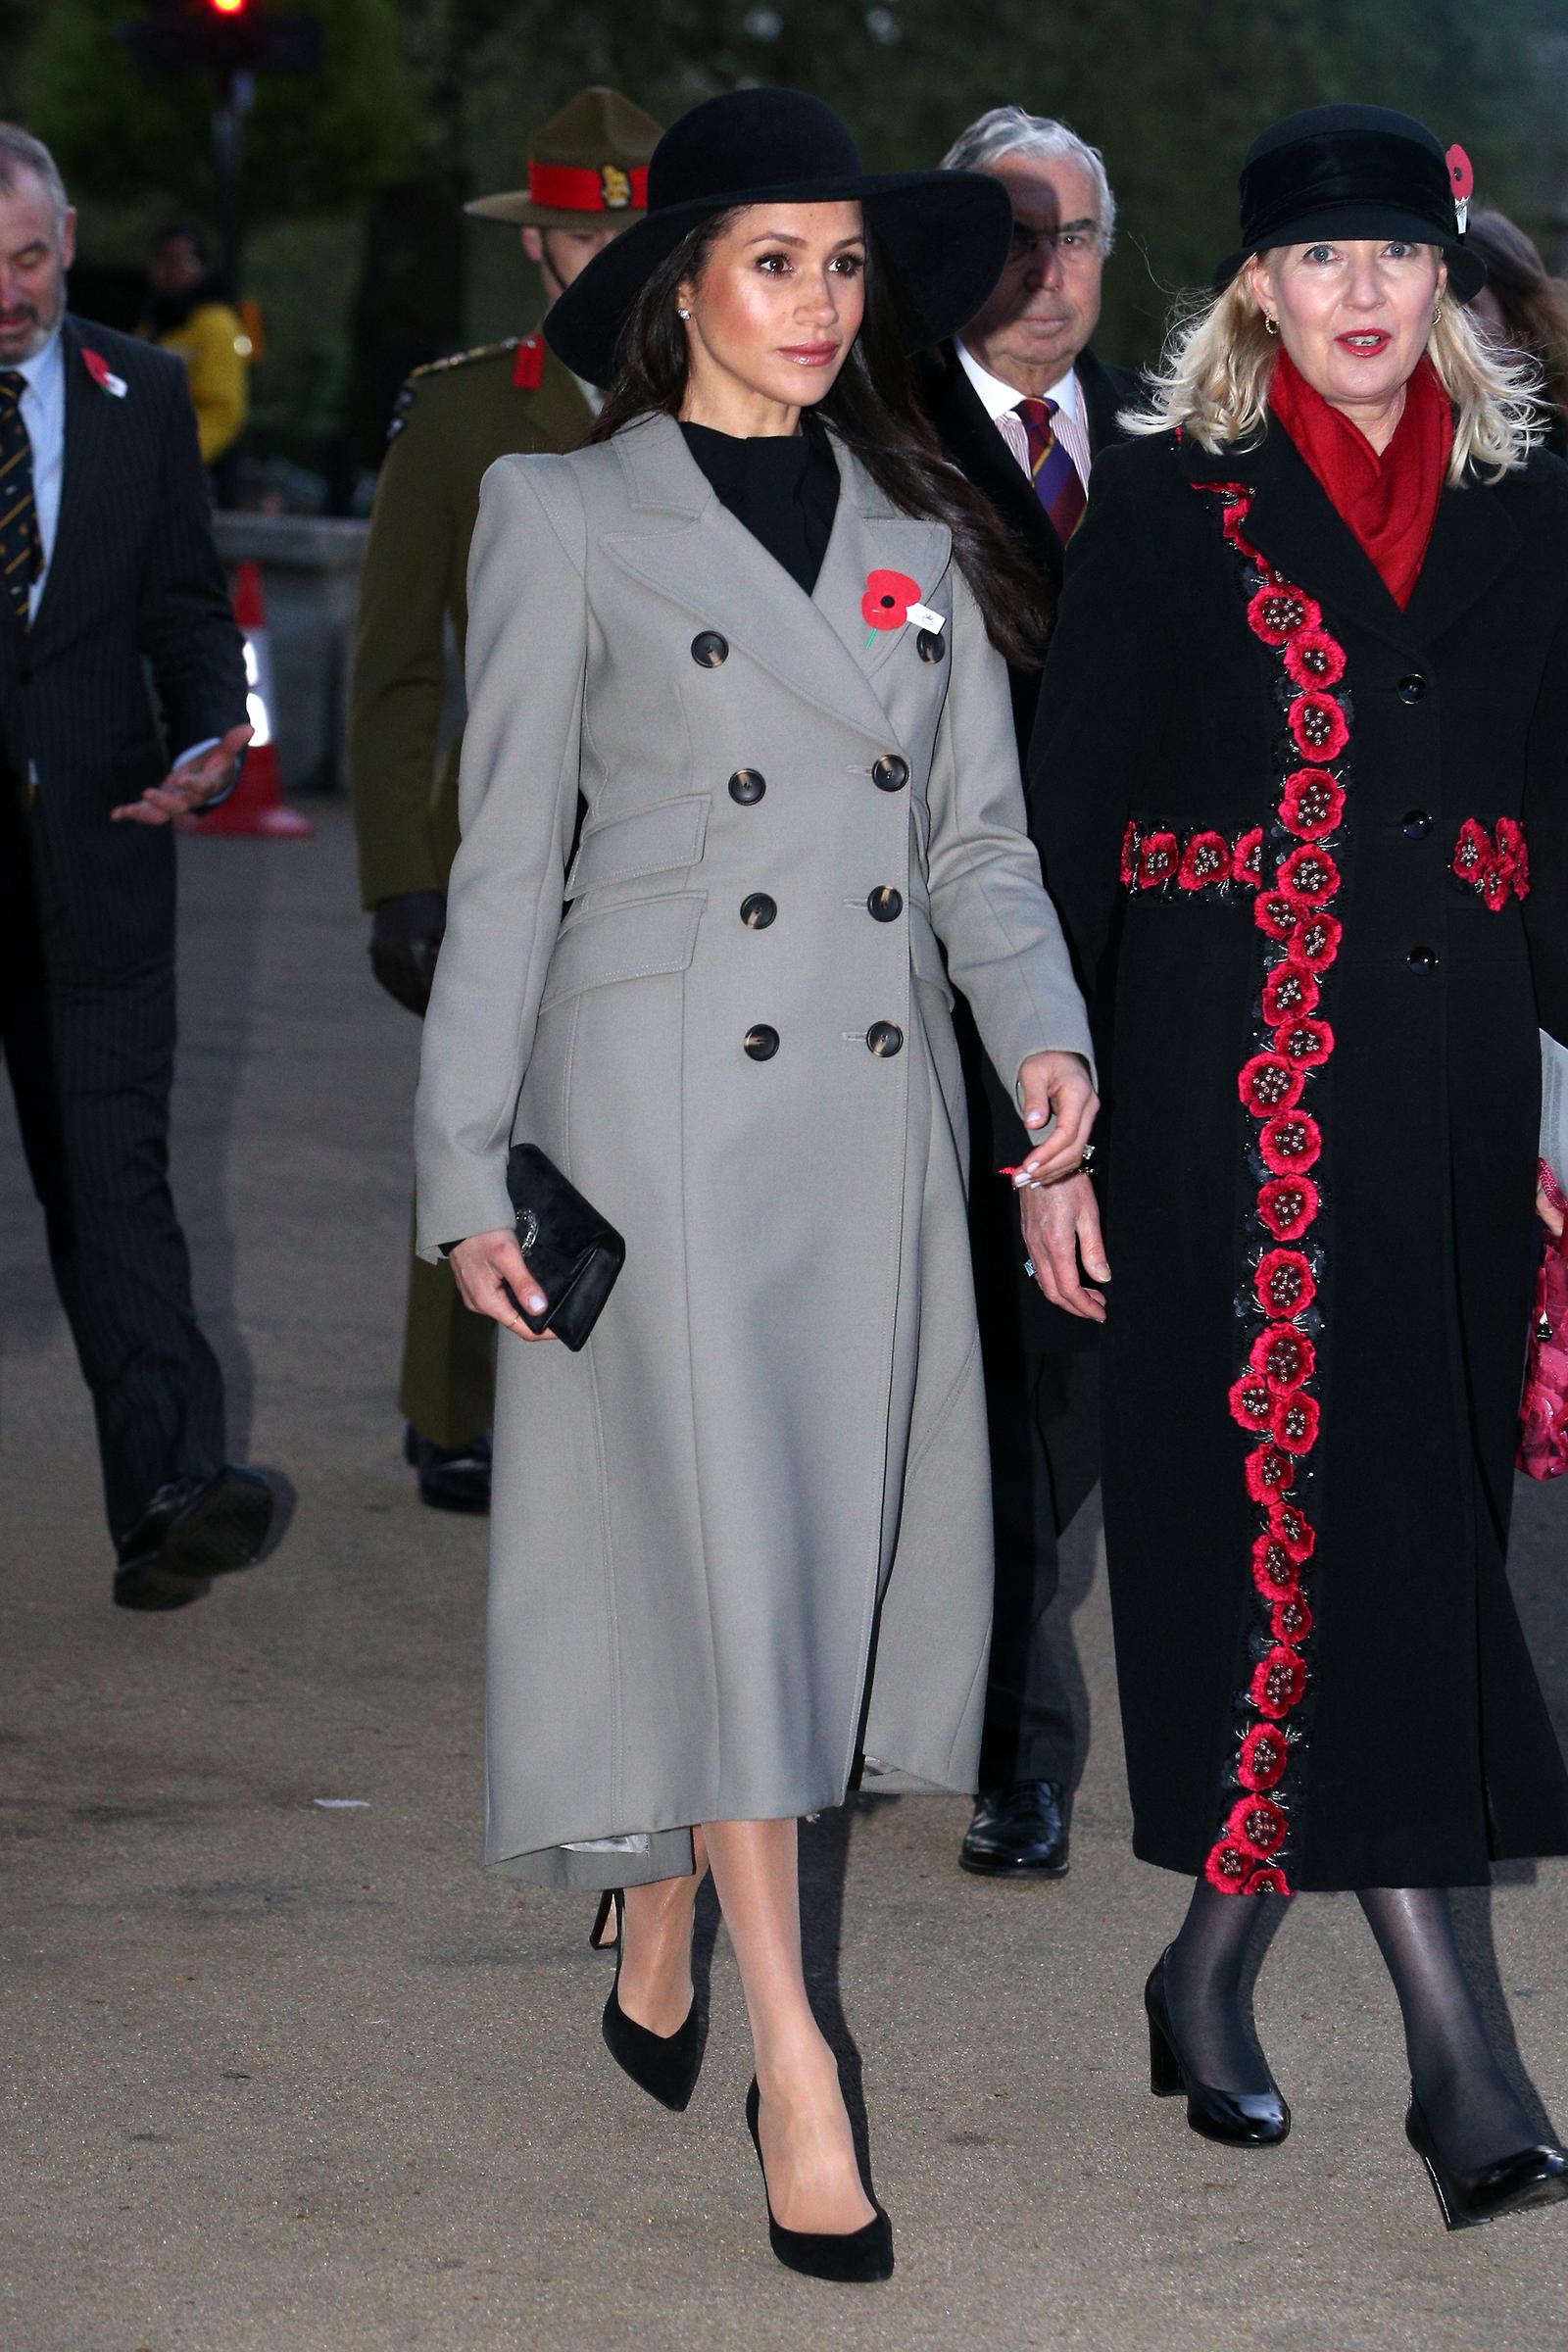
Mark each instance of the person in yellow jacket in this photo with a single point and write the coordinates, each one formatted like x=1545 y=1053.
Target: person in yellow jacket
x=190 y=311
x=587 y=175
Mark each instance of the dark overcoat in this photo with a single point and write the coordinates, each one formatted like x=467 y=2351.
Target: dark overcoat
x=1325 y=1088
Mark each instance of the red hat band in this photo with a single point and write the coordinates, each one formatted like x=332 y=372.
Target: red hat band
x=584 y=188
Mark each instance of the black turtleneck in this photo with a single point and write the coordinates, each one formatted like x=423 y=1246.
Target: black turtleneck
x=784 y=488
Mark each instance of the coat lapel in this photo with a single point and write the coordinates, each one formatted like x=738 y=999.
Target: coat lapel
x=710 y=564
x=90 y=427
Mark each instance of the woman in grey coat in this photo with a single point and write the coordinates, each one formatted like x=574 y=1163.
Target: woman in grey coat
x=741 y=1542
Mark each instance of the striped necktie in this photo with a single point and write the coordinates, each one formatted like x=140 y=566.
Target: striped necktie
x=1054 y=476
x=21 y=547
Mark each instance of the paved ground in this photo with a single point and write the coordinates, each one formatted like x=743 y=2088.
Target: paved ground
x=301 y=2080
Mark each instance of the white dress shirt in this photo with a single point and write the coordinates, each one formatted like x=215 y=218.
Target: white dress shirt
x=43 y=411
x=1000 y=404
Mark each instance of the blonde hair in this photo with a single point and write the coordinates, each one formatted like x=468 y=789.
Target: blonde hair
x=1213 y=380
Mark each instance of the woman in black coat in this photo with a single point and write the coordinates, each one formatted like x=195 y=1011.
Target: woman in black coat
x=1309 y=701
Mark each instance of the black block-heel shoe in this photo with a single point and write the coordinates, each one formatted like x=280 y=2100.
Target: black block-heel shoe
x=859 y=2258
x=1534 y=2175
x=665 y=2065
x=1238 y=2119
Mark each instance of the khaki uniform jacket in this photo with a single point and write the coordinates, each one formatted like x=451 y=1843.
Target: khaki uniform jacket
x=730 y=1025
x=453 y=421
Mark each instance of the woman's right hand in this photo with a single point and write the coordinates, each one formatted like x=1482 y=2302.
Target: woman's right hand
x=484 y=1264
x=1062 y=1232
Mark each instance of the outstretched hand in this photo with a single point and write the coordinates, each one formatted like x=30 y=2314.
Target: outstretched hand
x=190 y=785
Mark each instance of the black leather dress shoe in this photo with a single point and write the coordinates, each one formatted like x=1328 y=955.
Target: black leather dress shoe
x=452 y=1478
x=193 y=1530
x=1533 y=2176
x=1017 y=1832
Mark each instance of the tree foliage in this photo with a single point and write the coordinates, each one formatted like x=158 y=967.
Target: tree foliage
x=315 y=142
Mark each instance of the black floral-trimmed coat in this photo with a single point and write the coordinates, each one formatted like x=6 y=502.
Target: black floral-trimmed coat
x=1312 y=854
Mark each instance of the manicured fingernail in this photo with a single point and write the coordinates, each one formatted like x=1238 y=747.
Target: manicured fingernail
x=1023 y=1182
x=536 y=1305
x=1034 y=1118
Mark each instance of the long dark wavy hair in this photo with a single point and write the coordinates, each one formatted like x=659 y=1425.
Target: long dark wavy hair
x=873 y=409
x=1533 y=305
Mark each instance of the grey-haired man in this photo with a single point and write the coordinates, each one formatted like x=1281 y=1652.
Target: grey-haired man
x=1021 y=404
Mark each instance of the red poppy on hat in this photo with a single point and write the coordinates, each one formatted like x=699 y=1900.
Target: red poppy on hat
x=888 y=598
x=1263 y=1758
x=1311 y=804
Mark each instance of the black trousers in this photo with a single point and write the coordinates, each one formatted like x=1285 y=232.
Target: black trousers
x=1043 y=1409
x=90 y=1055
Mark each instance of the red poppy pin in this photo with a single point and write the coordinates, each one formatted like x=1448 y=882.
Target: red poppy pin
x=1462 y=179
x=103 y=375
x=892 y=600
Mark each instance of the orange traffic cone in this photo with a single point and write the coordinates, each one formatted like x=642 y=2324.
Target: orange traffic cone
x=256 y=805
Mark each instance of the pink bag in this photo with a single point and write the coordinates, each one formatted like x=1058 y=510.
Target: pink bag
x=1543 y=1411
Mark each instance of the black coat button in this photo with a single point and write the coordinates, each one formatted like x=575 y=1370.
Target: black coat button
x=758 y=912
x=885 y=1038
x=1411 y=689
x=929 y=646
x=1423 y=960
x=710 y=649
x=886 y=904
x=761 y=1042
x=1416 y=824
x=891 y=773
x=747 y=785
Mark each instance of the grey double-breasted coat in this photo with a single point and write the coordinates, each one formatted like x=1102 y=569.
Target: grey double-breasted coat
x=744 y=1537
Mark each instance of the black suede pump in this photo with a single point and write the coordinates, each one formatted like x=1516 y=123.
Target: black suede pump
x=859 y=2258
x=665 y=2065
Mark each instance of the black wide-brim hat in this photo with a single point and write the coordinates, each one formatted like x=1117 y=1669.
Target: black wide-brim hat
x=1355 y=171
x=947 y=233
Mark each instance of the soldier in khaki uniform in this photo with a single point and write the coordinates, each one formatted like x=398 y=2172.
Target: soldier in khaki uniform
x=587 y=173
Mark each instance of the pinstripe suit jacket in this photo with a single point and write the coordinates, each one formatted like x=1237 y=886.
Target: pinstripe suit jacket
x=133 y=649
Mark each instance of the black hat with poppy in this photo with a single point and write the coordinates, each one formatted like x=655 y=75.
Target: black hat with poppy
x=1355 y=171
x=947 y=233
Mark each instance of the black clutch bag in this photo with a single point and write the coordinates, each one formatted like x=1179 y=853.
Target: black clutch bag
x=573 y=1254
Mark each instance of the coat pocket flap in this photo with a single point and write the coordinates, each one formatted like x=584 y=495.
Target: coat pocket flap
x=629 y=942
x=646 y=841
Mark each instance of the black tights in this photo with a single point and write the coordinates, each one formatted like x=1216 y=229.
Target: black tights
x=1474 y=2111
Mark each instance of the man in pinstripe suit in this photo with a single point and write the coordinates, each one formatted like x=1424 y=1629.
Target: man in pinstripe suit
x=108 y=570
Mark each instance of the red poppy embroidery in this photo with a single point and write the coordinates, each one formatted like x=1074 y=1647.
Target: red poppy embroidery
x=1278 y=1682
x=1258 y=1825
x=1288 y=1206
x=1252 y=1402
x=1294 y=1531
x=1311 y=804
x=1308 y=873
x=1248 y=866
x=888 y=598
x=1314 y=657
x=1295 y=1421
x=1285 y=1358
x=1316 y=943
x=1158 y=856
x=1497 y=865
x=1284 y=1285
x=1128 y=854
x=1289 y=989
x=1274 y=1572
x=1229 y=1866
x=1291 y=1620
x=1267 y=1881
x=1472 y=851
x=1290 y=1143
x=1270 y=1472
x=1305 y=1044
x=1280 y=915
x=1263 y=1757
x=1268 y=1083
x=1206 y=860
x=1279 y=611
x=1317 y=725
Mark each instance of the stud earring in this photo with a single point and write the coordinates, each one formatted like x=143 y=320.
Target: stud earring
x=680 y=314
